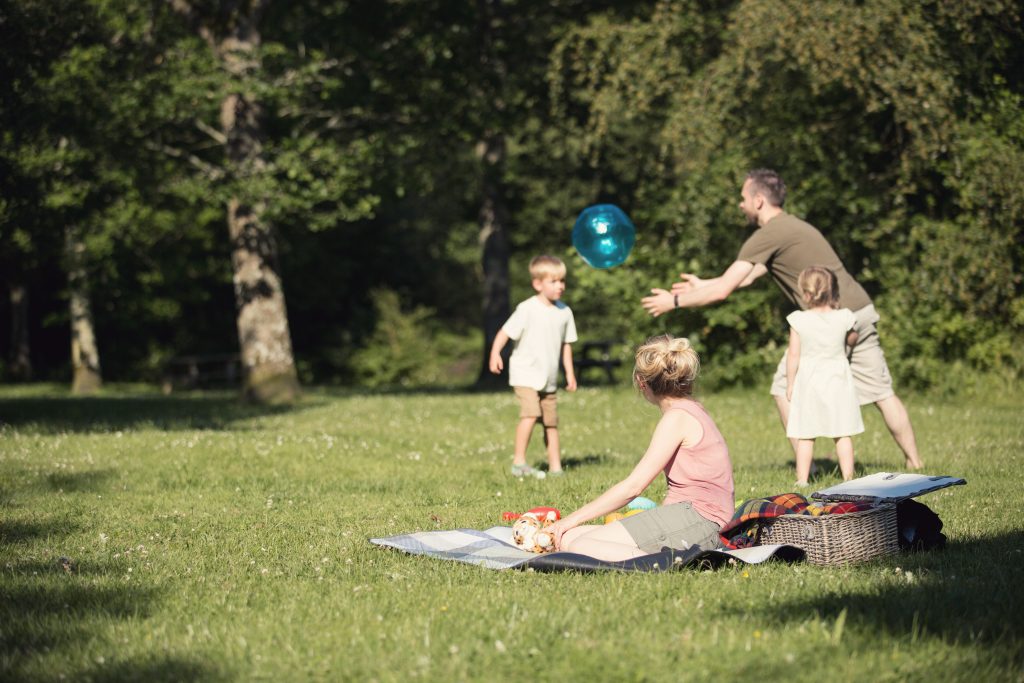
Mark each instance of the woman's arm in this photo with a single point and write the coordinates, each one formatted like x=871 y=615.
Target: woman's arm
x=675 y=427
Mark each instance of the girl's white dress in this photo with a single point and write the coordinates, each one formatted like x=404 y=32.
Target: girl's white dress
x=824 y=396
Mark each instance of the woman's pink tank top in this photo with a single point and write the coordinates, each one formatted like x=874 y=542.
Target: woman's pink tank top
x=702 y=475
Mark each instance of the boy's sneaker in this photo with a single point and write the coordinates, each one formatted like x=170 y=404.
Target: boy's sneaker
x=526 y=471
x=556 y=473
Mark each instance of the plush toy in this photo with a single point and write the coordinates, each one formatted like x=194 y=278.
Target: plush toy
x=529 y=530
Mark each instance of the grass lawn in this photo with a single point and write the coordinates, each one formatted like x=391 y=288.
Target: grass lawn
x=209 y=540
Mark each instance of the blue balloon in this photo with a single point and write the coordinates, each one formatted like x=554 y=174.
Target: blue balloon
x=603 y=235
x=641 y=503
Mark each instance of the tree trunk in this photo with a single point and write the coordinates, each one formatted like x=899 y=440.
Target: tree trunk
x=85 y=356
x=264 y=337
x=494 y=248
x=20 y=362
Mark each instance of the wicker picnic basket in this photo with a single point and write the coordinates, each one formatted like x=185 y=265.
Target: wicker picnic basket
x=837 y=539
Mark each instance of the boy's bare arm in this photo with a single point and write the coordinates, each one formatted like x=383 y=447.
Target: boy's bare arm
x=496 y=362
x=570 y=371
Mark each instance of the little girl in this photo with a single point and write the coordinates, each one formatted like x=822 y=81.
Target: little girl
x=819 y=383
x=686 y=446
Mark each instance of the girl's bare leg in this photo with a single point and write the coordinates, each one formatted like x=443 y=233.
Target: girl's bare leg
x=804 y=458
x=844 y=449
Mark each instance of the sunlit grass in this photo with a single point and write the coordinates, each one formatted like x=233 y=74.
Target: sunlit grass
x=204 y=539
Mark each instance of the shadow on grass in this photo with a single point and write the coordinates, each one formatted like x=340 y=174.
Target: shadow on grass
x=826 y=467
x=46 y=607
x=13 y=531
x=92 y=480
x=968 y=594
x=60 y=414
x=155 y=669
x=583 y=461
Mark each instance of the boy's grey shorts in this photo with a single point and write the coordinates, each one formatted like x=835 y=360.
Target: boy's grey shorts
x=677 y=526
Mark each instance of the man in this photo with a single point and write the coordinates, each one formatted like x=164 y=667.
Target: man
x=782 y=246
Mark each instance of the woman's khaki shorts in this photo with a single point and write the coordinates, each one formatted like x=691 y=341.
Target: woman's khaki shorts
x=542 y=404
x=677 y=526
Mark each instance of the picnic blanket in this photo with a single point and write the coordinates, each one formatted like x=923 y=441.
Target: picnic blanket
x=493 y=549
x=743 y=529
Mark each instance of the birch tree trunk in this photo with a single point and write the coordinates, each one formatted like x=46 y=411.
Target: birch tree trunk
x=85 y=356
x=494 y=246
x=20 y=361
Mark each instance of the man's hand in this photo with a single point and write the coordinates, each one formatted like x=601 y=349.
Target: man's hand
x=688 y=282
x=660 y=301
x=570 y=383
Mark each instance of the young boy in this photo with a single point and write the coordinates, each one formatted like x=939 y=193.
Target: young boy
x=542 y=328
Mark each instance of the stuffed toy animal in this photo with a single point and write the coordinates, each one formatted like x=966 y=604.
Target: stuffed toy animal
x=529 y=530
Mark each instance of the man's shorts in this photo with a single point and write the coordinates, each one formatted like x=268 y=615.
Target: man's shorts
x=870 y=372
x=677 y=526
x=533 y=403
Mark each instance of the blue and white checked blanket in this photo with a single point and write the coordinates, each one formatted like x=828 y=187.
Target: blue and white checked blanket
x=494 y=549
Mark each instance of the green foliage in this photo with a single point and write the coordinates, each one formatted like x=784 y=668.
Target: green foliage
x=899 y=134
x=412 y=349
x=897 y=125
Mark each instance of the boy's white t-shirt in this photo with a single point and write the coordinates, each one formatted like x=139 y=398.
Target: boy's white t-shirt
x=538 y=330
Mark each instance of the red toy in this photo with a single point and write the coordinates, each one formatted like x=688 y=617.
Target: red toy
x=541 y=513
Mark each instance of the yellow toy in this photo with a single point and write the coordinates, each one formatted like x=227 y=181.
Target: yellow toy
x=616 y=516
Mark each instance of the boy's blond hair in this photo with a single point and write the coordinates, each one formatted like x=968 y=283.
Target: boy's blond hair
x=547 y=266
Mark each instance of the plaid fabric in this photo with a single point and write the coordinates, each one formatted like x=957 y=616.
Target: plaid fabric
x=493 y=549
x=744 y=528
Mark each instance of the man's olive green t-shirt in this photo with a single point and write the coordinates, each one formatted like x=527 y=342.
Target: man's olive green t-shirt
x=786 y=245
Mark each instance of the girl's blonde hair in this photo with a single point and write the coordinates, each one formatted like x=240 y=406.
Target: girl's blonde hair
x=668 y=366
x=819 y=286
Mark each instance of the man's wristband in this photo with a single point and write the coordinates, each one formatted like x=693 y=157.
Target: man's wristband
x=675 y=301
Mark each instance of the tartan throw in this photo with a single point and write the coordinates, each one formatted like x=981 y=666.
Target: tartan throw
x=743 y=529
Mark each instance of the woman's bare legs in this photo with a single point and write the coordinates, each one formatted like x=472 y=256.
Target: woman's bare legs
x=609 y=542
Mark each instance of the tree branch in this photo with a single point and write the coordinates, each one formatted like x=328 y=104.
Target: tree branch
x=212 y=172
x=219 y=137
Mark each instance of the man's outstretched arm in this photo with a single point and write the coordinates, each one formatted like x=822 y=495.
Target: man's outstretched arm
x=693 y=292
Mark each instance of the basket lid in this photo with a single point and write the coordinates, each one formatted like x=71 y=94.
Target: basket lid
x=886 y=487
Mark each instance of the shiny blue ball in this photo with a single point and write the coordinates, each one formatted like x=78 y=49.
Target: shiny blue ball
x=603 y=235
x=641 y=503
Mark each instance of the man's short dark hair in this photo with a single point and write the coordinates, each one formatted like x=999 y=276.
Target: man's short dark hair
x=769 y=183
